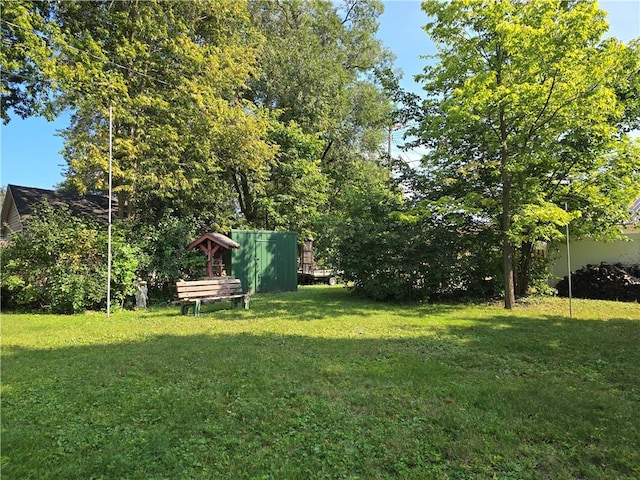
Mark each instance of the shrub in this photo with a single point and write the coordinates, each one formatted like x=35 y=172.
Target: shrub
x=58 y=263
x=164 y=255
x=604 y=282
x=432 y=251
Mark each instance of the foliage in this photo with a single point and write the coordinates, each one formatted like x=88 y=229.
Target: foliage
x=163 y=251
x=628 y=88
x=296 y=189
x=173 y=72
x=524 y=111
x=26 y=85
x=316 y=70
x=238 y=114
x=315 y=62
x=59 y=264
x=432 y=251
x=370 y=245
x=319 y=384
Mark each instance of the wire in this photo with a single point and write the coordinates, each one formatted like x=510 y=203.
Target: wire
x=105 y=60
x=410 y=162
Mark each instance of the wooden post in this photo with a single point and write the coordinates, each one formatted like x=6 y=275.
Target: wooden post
x=210 y=248
x=209 y=262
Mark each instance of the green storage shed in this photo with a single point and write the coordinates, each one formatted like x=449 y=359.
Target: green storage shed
x=266 y=260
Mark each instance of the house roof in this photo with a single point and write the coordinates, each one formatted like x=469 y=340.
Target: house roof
x=25 y=198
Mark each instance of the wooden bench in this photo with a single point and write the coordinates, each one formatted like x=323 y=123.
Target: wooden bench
x=206 y=291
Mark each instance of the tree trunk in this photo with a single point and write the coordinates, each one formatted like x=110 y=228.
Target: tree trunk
x=522 y=283
x=122 y=200
x=507 y=246
x=245 y=200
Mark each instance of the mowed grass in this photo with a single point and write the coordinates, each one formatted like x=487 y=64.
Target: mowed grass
x=319 y=384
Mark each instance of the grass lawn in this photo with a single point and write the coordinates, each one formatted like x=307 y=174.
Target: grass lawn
x=318 y=384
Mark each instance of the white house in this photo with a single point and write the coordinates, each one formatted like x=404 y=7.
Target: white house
x=593 y=252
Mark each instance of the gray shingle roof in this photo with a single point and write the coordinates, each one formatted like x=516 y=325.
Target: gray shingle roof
x=93 y=206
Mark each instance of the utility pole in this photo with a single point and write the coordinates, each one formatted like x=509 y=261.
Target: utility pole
x=389 y=146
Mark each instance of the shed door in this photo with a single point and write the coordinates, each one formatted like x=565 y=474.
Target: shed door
x=266 y=262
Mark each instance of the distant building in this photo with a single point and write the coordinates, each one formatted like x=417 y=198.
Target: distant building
x=19 y=203
x=593 y=252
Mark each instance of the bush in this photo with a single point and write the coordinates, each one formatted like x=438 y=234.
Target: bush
x=58 y=263
x=164 y=255
x=391 y=251
x=603 y=282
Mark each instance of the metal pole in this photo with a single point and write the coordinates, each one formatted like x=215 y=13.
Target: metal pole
x=389 y=146
x=110 y=188
x=566 y=207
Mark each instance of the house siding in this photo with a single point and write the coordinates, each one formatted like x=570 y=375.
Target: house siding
x=591 y=252
x=11 y=220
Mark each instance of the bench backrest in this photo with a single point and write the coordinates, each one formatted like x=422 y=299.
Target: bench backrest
x=215 y=287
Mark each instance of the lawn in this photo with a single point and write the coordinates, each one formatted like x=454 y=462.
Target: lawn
x=318 y=384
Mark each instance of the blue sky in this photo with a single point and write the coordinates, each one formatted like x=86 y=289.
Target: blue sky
x=29 y=149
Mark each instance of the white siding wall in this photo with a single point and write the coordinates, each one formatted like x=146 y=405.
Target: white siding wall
x=585 y=252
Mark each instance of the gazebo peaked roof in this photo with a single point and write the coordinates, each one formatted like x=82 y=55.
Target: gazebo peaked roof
x=218 y=238
x=213 y=244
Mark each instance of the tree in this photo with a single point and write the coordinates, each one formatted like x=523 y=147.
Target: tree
x=522 y=115
x=201 y=93
x=316 y=73
x=296 y=189
x=163 y=253
x=315 y=55
x=173 y=72
x=26 y=85
x=628 y=88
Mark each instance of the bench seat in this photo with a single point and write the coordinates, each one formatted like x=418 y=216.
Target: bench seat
x=194 y=293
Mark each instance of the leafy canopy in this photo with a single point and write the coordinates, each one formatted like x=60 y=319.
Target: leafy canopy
x=523 y=113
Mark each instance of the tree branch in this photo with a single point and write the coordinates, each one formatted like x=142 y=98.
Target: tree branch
x=348 y=14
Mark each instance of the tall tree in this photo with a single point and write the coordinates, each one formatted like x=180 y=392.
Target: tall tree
x=317 y=70
x=173 y=72
x=316 y=55
x=218 y=106
x=522 y=115
x=296 y=189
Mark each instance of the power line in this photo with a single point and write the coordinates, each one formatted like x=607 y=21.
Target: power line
x=101 y=59
x=410 y=162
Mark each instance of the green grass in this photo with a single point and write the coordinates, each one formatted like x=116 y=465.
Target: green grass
x=318 y=384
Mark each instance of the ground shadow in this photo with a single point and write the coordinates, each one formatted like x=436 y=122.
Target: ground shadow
x=529 y=399
x=319 y=303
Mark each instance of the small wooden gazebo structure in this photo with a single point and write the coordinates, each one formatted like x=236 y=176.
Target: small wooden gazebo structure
x=214 y=245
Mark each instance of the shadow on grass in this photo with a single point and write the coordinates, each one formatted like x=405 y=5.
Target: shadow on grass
x=318 y=303
x=531 y=399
